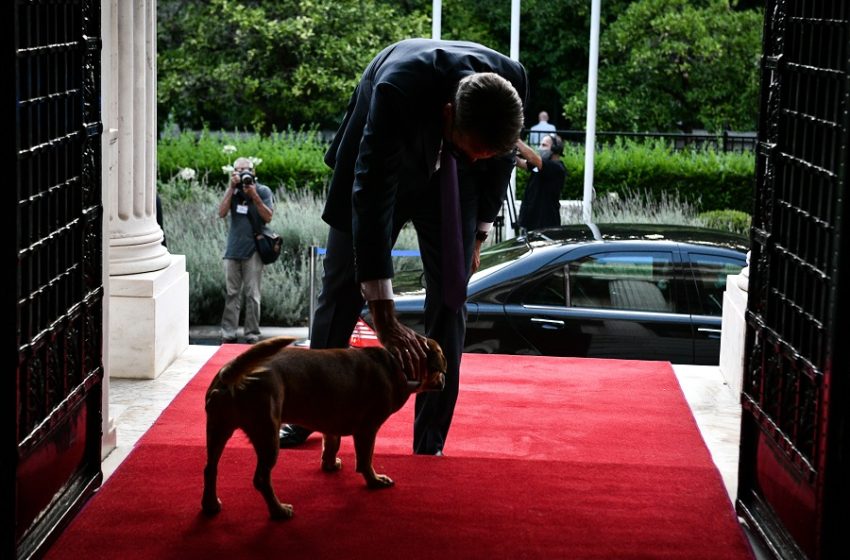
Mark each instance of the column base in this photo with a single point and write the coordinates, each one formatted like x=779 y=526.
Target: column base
x=148 y=320
x=109 y=440
x=733 y=334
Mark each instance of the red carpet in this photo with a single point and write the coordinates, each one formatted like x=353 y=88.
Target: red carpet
x=547 y=458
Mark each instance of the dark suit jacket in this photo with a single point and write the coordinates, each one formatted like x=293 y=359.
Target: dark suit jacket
x=390 y=139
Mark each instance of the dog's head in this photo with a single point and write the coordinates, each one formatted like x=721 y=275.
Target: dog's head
x=435 y=379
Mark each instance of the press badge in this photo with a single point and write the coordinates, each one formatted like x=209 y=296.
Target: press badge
x=241 y=208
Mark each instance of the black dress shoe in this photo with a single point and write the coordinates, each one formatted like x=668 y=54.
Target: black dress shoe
x=292 y=435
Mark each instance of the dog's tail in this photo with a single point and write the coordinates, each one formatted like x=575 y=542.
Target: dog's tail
x=248 y=361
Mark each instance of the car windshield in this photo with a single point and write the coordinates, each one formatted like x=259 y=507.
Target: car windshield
x=493 y=258
x=499 y=255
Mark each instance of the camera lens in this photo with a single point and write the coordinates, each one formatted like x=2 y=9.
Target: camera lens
x=246 y=178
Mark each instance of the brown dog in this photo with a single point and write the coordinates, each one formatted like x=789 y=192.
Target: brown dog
x=337 y=392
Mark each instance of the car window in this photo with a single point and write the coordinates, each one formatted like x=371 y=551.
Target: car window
x=548 y=291
x=636 y=281
x=710 y=272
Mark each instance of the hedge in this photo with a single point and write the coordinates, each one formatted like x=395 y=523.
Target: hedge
x=294 y=160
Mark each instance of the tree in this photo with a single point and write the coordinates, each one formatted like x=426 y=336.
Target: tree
x=677 y=64
x=553 y=47
x=268 y=64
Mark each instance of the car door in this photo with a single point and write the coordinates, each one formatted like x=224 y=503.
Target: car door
x=708 y=271
x=606 y=304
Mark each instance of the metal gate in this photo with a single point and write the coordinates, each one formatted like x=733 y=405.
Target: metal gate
x=794 y=436
x=51 y=452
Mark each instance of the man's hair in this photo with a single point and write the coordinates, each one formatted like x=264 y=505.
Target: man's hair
x=250 y=164
x=557 y=144
x=488 y=107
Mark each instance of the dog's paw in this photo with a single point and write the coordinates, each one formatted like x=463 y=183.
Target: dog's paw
x=380 y=481
x=332 y=467
x=282 y=512
x=211 y=507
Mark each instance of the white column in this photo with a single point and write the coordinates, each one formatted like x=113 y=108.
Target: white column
x=148 y=323
x=135 y=237
x=108 y=69
x=734 y=328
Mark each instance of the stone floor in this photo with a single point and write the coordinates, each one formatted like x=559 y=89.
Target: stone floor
x=135 y=405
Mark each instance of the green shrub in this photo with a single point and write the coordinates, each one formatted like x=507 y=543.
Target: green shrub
x=292 y=160
x=708 y=178
x=732 y=220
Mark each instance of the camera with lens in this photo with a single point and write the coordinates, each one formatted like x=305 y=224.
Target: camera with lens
x=245 y=178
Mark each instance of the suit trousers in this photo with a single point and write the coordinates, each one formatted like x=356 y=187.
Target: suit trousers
x=340 y=303
x=242 y=277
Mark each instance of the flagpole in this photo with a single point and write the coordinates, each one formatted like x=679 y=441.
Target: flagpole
x=436 y=18
x=590 y=131
x=510 y=228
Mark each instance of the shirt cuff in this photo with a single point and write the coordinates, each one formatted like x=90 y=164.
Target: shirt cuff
x=485 y=226
x=377 y=289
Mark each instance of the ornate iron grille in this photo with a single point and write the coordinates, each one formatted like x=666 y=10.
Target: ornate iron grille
x=56 y=391
x=791 y=317
x=59 y=212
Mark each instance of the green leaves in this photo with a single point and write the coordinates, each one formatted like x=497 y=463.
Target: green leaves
x=677 y=64
x=265 y=65
x=664 y=64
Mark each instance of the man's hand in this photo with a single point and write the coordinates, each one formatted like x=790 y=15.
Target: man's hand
x=476 y=256
x=251 y=192
x=404 y=343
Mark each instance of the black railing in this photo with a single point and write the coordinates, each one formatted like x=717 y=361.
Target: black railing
x=728 y=141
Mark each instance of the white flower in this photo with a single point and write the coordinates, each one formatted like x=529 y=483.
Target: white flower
x=255 y=160
x=227 y=169
x=187 y=174
x=229 y=149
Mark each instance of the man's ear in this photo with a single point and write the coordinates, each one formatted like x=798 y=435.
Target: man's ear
x=448 y=114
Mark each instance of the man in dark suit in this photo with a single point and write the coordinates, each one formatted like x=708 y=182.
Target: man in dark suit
x=422 y=108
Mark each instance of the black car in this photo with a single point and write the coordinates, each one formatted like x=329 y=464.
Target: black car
x=632 y=291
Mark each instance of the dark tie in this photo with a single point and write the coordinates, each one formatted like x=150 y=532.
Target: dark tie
x=454 y=270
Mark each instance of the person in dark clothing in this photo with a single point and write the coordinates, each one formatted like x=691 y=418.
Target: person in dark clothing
x=541 y=206
x=430 y=122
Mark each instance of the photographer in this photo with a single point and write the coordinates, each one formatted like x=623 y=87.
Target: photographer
x=541 y=205
x=244 y=200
